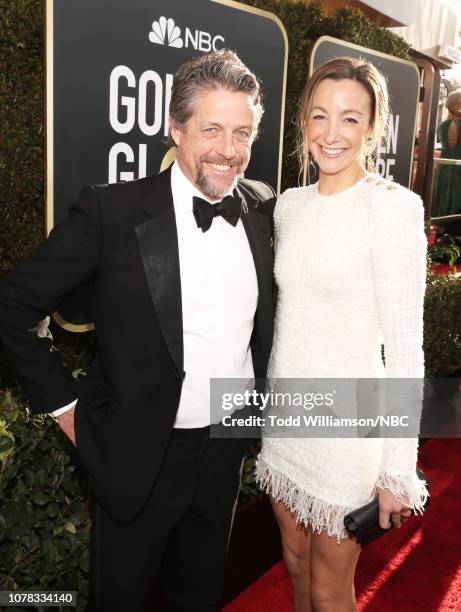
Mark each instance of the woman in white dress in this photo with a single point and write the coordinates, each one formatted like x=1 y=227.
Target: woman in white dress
x=350 y=269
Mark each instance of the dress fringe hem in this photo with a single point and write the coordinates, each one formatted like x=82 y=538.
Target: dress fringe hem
x=320 y=515
x=310 y=511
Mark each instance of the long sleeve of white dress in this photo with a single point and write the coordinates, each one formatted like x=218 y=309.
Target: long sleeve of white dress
x=398 y=245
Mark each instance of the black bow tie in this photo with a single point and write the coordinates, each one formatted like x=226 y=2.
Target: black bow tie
x=229 y=208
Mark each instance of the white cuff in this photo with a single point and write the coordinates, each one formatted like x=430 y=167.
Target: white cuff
x=64 y=409
x=408 y=490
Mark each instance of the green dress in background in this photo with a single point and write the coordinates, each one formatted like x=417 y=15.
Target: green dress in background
x=446 y=198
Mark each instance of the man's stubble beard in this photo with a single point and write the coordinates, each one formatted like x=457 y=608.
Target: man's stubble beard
x=212 y=191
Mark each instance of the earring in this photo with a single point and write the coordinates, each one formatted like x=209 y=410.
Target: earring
x=369 y=141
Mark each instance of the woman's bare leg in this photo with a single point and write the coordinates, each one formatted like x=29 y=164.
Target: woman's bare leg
x=296 y=549
x=332 y=569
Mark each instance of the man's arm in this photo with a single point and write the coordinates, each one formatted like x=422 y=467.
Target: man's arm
x=33 y=290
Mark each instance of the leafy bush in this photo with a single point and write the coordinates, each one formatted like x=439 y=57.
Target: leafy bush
x=447 y=249
x=44 y=524
x=442 y=325
x=21 y=118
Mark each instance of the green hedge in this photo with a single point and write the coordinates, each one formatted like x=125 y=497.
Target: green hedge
x=44 y=526
x=21 y=120
x=442 y=325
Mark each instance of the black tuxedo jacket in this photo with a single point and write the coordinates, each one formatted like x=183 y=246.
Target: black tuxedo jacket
x=122 y=239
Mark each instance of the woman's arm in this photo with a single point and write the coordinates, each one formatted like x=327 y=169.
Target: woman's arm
x=398 y=245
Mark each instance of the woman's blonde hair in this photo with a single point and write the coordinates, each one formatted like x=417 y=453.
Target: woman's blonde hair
x=364 y=72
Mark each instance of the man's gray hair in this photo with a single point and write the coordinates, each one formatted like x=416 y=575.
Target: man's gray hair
x=219 y=69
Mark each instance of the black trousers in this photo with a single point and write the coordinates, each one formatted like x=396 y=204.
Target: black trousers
x=181 y=535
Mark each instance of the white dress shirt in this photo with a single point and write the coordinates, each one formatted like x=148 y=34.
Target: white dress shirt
x=219 y=293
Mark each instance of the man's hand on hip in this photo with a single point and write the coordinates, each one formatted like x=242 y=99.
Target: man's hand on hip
x=66 y=423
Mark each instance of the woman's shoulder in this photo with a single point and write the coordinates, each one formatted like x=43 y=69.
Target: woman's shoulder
x=296 y=194
x=291 y=200
x=388 y=198
x=382 y=187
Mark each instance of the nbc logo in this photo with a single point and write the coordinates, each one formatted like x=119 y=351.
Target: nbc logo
x=166 y=32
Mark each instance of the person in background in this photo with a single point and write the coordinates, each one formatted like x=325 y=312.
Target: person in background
x=446 y=199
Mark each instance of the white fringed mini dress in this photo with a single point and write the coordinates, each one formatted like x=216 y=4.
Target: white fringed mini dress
x=350 y=270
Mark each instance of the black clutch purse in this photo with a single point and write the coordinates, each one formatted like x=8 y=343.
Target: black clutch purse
x=363 y=523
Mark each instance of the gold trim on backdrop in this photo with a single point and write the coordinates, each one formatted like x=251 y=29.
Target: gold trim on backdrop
x=49 y=99
x=168 y=159
x=305 y=174
x=358 y=48
x=379 y=54
x=84 y=327
x=49 y=140
x=277 y=21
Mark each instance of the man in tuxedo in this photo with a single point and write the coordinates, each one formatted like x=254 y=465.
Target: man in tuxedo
x=180 y=269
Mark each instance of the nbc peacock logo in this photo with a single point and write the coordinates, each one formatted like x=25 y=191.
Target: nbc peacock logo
x=165 y=32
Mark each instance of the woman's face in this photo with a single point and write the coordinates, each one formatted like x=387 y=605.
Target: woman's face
x=338 y=125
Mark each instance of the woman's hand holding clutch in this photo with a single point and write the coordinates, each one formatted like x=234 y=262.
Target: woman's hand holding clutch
x=392 y=513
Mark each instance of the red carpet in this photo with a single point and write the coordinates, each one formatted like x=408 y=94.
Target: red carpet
x=444 y=269
x=414 y=569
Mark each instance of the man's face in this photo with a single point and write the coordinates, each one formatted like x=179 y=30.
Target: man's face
x=214 y=146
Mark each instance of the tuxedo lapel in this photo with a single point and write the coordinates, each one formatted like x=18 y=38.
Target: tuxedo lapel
x=257 y=228
x=158 y=245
